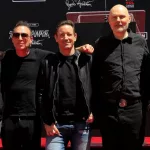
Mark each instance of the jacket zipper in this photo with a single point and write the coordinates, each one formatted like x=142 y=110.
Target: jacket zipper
x=83 y=90
x=55 y=91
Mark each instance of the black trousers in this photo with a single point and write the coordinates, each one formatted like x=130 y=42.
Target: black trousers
x=120 y=126
x=21 y=133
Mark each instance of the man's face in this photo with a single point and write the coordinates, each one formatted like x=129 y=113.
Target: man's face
x=65 y=37
x=119 y=19
x=21 y=38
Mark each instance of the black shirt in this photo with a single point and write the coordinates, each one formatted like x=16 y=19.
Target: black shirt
x=70 y=92
x=119 y=67
x=19 y=76
x=67 y=85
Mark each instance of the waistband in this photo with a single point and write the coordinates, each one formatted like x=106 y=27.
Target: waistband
x=23 y=117
x=69 y=119
x=123 y=102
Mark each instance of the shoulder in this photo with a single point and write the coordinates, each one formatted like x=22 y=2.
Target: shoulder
x=40 y=53
x=82 y=54
x=85 y=57
x=138 y=38
x=103 y=41
x=103 y=38
x=9 y=53
x=51 y=58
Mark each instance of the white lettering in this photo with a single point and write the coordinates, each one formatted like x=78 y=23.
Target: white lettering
x=130 y=6
x=37 y=42
x=80 y=3
x=41 y=33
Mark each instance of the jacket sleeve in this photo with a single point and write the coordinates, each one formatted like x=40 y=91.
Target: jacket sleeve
x=145 y=75
x=45 y=105
x=95 y=78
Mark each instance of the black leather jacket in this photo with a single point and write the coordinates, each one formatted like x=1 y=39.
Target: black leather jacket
x=47 y=83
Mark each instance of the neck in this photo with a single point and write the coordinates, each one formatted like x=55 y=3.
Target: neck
x=22 y=52
x=67 y=52
x=121 y=36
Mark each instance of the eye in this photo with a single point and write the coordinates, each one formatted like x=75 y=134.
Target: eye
x=61 y=34
x=69 y=34
x=121 y=17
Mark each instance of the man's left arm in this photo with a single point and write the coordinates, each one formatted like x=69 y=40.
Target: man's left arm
x=145 y=77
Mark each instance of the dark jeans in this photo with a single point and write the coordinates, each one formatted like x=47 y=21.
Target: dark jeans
x=21 y=133
x=120 y=127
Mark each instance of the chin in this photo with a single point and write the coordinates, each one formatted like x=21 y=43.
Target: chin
x=120 y=30
x=21 y=48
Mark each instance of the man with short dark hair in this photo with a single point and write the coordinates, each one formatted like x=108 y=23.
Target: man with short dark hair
x=64 y=87
x=21 y=120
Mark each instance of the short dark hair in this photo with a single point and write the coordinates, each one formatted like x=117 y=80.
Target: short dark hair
x=65 y=22
x=22 y=23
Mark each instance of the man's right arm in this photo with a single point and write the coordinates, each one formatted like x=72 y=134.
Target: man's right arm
x=42 y=92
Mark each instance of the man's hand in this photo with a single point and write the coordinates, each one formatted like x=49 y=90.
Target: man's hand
x=90 y=118
x=87 y=48
x=51 y=130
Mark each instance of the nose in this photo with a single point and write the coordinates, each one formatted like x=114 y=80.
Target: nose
x=66 y=36
x=118 y=19
x=20 y=37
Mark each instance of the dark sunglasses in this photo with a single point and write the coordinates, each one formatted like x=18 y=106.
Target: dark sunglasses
x=23 y=35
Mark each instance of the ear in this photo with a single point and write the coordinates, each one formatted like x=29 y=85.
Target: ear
x=31 y=39
x=75 y=36
x=55 y=36
x=129 y=18
x=109 y=20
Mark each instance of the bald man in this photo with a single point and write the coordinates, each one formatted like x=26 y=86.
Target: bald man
x=120 y=79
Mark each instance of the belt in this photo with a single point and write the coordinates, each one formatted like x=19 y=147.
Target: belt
x=69 y=119
x=124 y=102
x=23 y=117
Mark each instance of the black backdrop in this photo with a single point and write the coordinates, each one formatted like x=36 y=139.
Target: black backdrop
x=43 y=17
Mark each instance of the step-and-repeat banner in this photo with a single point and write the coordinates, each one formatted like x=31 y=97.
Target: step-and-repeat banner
x=43 y=15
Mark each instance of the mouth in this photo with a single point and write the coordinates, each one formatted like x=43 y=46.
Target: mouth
x=67 y=43
x=119 y=25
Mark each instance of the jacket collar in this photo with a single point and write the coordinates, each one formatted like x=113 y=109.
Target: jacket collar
x=129 y=38
x=61 y=58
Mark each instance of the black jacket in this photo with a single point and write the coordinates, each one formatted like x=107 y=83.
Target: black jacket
x=47 y=83
x=121 y=69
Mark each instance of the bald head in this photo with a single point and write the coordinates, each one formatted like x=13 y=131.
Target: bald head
x=119 y=20
x=120 y=8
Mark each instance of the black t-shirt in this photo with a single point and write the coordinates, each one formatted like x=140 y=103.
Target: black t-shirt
x=19 y=76
x=67 y=85
x=71 y=98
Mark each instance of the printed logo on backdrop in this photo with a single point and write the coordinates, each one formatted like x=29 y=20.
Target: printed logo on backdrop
x=28 y=0
x=130 y=4
x=144 y=34
x=78 y=3
x=39 y=35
